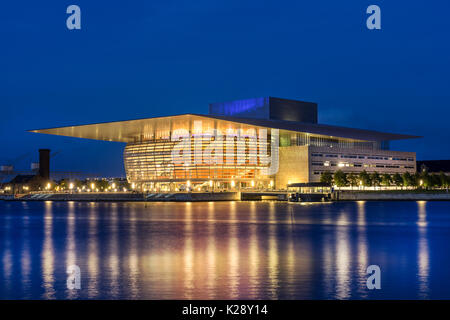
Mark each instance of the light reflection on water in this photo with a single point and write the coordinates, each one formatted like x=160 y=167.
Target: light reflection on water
x=423 y=257
x=224 y=250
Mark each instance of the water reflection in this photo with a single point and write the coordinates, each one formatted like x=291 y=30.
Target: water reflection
x=342 y=264
x=7 y=261
x=188 y=253
x=253 y=255
x=211 y=250
x=133 y=261
x=221 y=250
x=423 y=255
x=71 y=243
x=25 y=259
x=113 y=259
x=233 y=254
x=362 y=251
x=48 y=258
x=273 y=253
x=93 y=251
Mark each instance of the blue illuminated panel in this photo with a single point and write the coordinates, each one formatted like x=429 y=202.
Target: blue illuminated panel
x=267 y=108
x=249 y=108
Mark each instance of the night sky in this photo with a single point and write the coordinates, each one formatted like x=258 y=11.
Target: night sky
x=136 y=59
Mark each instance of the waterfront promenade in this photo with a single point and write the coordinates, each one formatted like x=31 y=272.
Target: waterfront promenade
x=397 y=195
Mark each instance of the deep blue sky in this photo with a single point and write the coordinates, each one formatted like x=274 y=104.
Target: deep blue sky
x=141 y=58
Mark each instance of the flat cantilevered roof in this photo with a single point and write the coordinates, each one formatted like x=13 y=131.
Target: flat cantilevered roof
x=129 y=130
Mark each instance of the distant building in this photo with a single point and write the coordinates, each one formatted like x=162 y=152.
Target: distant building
x=434 y=166
x=263 y=143
x=23 y=183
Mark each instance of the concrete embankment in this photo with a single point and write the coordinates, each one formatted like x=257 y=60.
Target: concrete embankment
x=390 y=196
x=220 y=196
x=228 y=196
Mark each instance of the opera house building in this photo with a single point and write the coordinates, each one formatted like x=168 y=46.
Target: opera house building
x=261 y=144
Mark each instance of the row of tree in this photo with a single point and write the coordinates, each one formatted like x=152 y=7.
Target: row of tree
x=374 y=179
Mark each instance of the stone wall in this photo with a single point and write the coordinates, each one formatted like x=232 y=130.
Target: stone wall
x=293 y=166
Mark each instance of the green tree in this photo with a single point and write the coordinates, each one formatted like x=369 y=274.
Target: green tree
x=353 y=179
x=364 y=177
x=423 y=179
x=327 y=178
x=63 y=184
x=78 y=183
x=443 y=180
x=124 y=184
x=408 y=179
x=435 y=181
x=101 y=185
x=417 y=180
x=376 y=179
x=447 y=181
x=397 y=180
x=386 y=180
x=340 y=178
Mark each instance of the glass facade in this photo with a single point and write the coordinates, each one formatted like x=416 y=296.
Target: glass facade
x=189 y=152
x=204 y=153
